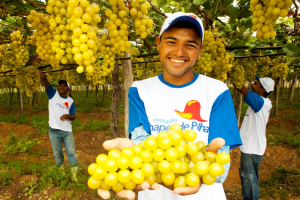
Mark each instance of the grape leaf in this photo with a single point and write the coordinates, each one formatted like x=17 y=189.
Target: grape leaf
x=291 y=50
x=227 y=28
x=238 y=43
x=197 y=2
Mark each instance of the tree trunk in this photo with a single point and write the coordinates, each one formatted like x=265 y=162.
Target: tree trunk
x=40 y=93
x=238 y=106
x=292 y=88
x=11 y=94
x=87 y=91
x=7 y=94
x=20 y=98
x=114 y=111
x=277 y=87
x=103 y=94
x=282 y=87
x=128 y=80
x=97 y=88
x=36 y=97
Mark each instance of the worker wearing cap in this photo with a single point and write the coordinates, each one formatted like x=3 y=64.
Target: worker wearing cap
x=61 y=114
x=253 y=134
x=180 y=96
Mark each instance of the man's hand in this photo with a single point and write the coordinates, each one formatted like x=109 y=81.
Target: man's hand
x=64 y=117
x=120 y=143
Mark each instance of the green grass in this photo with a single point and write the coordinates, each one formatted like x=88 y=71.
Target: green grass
x=279 y=136
x=283 y=183
x=17 y=145
x=8 y=118
x=48 y=175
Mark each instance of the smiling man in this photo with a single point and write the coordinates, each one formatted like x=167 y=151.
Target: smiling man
x=61 y=115
x=253 y=134
x=180 y=96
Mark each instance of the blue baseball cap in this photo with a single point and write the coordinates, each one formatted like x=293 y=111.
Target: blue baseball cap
x=186 y=17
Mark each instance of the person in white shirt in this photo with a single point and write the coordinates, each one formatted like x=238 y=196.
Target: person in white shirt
x=61 y=114
x=253 y=134
x=179 y=95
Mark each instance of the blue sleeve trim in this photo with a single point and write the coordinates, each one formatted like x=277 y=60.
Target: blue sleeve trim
x=255 y=101
x=138 y=135
x=221 y=179
x=137 y=112
x=72 y=109
x=51 y=92
x=223 y=122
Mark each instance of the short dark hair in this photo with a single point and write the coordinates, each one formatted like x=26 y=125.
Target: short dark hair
x=185 y=24
x=265 y=93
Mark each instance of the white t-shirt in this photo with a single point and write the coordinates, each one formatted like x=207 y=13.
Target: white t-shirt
x=203 y=105
x=59 y=106
x=253 y=129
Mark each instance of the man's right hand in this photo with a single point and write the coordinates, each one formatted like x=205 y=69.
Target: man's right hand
x=121 y=143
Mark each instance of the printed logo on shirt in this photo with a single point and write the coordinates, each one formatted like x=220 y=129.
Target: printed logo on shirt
x=64 y=105
x=246 y=114
x=191 y=111
x=193 y=126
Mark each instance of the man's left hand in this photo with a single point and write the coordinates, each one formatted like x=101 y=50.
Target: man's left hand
x=64 y=117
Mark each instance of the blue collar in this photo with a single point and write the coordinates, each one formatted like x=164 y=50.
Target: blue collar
x=178 y=86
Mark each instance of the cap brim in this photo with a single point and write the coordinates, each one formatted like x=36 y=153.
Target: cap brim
x=257 y=78
x=187 y=19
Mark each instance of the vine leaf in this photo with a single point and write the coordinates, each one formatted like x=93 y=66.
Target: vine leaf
x=291 y=50
x=197 y=2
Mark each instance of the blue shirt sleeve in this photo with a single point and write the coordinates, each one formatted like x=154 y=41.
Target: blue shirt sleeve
x=137 y=112
x=51 y=92
x=223 y=122
x=255 y=101
x=72 y=109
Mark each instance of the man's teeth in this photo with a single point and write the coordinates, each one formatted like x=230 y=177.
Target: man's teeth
x=177 y=61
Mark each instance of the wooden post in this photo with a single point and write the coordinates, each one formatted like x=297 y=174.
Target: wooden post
x=20 y=98
x=292 y=88
x=128 y=80
x=277 y=87
x=238 y=106
x=114 y=109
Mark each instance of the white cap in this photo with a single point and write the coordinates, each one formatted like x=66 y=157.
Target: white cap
x=267 y=83
x=186 y=17
x=64 y=81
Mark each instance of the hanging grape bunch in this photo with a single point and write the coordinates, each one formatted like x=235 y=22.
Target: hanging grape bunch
x=171 y=158
x=214 y=59
x=238 y=75
x=265 y=14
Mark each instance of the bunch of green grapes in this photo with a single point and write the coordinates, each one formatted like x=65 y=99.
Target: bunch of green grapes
x=214 y=60
x=138 y=14
x=21 y=51
x=265 y=14
x=32 y=80
x=155 y=68
x=43 y=38
x=116 y=42
x=264 y=62
x=171 y=158
x=238 y=75
x=250 y=66
x=140 y=68
x=280 y=70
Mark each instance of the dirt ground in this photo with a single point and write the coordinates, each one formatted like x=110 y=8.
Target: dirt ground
x=89 y=145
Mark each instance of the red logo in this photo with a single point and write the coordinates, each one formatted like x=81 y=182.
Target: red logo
x=191 y=111
x=66 y=104
x=193 y=16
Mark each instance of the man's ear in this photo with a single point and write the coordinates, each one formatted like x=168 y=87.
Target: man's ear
x=157 y=43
